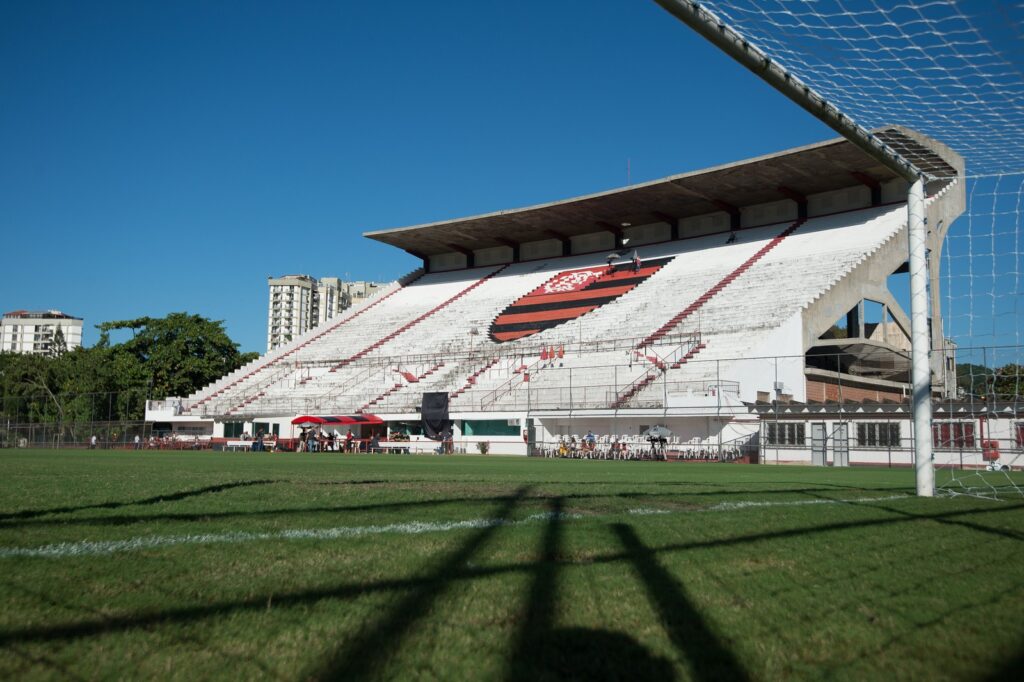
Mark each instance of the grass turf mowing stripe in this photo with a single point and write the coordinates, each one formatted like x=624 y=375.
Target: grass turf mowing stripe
x=96 y=548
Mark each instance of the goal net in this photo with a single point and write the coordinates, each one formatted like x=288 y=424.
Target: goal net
x=955 y=72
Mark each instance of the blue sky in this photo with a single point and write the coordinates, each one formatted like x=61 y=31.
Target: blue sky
x=167 y=157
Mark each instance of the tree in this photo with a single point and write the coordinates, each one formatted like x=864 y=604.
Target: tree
x=174 y=355
x=1008 y=382
x=59 y=345
x=973 y=380
x=979 y=381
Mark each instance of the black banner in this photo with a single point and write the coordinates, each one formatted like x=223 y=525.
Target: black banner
x=434 y=410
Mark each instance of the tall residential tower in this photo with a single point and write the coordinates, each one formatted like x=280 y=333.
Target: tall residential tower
x=300 y=302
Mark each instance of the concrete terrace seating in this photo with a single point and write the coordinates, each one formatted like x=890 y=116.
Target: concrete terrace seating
x=809 y=262
x=695 y=263
x=435 y=329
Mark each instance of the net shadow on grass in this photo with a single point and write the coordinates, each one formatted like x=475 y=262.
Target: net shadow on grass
x=543 y=651
x=156 y=499
x=709 y=658
x=1000 y=532
x=1011 y=671
x=24 y=519
x=425 y=589
x=364 y=655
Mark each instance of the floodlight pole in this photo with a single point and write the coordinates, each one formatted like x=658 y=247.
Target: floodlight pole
x=725 y=38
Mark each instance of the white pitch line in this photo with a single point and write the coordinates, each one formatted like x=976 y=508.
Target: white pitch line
x=105 y=547
x=94 y=548
x=732 y=506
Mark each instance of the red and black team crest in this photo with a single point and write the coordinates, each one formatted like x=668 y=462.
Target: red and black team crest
x=568 y=295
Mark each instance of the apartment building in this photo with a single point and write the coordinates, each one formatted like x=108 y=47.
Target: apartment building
x=300 y=302
x=35 y=331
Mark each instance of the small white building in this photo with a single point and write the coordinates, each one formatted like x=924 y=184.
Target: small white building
x=36 y=331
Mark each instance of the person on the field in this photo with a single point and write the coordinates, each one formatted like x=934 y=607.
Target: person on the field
x=636 y=261
x=349 y=440
x=374 y=443
x=92 y=442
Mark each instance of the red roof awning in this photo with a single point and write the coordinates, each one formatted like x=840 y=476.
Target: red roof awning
x=346 y=419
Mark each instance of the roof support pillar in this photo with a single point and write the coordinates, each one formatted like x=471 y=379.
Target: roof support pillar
x=566 y=242
x=734 y=213
x=512 y=245
x=468 y=253
x=616 y=231
x=800 y=199
x=673 y=223
x=874 y=185
x=423 y=257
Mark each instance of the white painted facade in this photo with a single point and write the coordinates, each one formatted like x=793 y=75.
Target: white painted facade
x=24 y=331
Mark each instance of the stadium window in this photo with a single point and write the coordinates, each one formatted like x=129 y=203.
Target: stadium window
x=878 y=435
x=267 y=428
x=233 y=429
x=953 y=434
x=407 y=428
x=785 y=434
x=489 y=427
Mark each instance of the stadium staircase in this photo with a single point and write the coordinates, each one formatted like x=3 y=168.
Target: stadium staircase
x=471 y=379
x=240 y=377
x=721 y=284
x=409 y=325
x=645 y=380
x=410 y=379
x=520 y=375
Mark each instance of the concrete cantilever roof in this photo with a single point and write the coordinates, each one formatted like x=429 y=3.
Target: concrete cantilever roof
x=803 y=171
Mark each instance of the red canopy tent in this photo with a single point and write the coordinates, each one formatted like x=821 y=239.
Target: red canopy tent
x=343 y=420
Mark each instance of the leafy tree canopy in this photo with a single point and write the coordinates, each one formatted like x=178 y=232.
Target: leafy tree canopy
x=180 y=352
x=174 y=355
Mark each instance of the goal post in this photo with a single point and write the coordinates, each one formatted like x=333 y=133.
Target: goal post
x=720 y=34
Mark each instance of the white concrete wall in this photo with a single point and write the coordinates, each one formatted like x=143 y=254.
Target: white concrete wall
x=545 y=248
x=650 y=233
x=704 y=224
x=447 y=261
x=846 y=199
x=493 y=256
x=595 y=241
x=767 y=213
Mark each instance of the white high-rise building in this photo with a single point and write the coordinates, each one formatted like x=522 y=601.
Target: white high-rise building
x=300 y=302
x=34 y=331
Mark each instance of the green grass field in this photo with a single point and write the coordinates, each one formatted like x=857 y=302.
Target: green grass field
x=207 y=565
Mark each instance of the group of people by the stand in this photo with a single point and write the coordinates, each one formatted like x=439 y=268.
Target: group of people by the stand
x=153 y=442
x=634 y=448
x=317 y=440
x=609 y=447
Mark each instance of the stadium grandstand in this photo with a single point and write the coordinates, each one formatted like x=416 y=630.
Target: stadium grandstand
x=689 y=302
